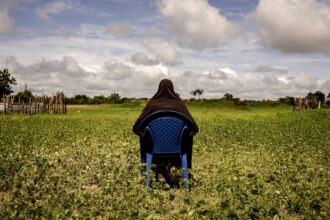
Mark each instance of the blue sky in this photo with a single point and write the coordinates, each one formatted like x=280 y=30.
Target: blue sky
x=253 y=49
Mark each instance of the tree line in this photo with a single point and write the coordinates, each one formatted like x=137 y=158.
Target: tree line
x=7 y=81
x=101 y=99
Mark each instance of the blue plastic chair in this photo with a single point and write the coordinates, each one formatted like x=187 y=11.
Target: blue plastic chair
x=166 y=133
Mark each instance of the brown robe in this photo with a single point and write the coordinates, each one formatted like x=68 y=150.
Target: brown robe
x=165 y=99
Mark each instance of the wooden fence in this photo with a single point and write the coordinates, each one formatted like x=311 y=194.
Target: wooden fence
x=50 y=105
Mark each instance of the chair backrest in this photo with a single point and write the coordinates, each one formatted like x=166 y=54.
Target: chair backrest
x=164 y=113
x=166 y=134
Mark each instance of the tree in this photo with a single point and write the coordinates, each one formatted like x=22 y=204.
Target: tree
x=328 y=96
x=310 y=96
x=318 y=96
x=81 y=99
x=6 y=80
x=287 y=100
x=24 y=95
x=101 y=99
x=228 y=96
x=198 y=92
x=114 y=98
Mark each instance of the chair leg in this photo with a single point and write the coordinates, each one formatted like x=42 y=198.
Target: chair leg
x=184 y=164
x=149 y=163
x=143 y=165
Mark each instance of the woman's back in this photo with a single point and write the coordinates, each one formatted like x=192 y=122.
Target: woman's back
x=165 y=99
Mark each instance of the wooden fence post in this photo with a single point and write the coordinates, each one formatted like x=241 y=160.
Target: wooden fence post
x=55 y=104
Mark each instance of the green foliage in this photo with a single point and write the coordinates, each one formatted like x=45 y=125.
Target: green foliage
x=310 y=96
x=261 y=163
x=99 y=100
x=287 y=100
x=84 y=99
x=25 y=96
x=6 y=81
x=114 y=98
x=228 y=96
x=198 y=92
x=79 y=99
x=318 y=96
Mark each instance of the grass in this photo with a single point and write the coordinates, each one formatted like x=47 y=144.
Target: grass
x=249 y=162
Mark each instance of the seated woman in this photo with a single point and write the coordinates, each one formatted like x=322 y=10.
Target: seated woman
x=164 y=99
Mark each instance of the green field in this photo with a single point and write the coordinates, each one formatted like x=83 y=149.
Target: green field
x=249 y=162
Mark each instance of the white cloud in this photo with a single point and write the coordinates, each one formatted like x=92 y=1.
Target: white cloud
x=118 y=29
x=92 y=52
x=247 y=85
x=42 y=70
x=144 y=78
x=326 y=86
x=152 y=32
x=294 y=26
x=49 y=75
x=163 y=51
x=116 y=71
x=90 y=30
x=270 y=69
x=214 y=82
x=302 y=81
x=6 y=22
x=142 y=59
x=67 y=32
x=68 y=75
x=196 y=24
x=54 y=8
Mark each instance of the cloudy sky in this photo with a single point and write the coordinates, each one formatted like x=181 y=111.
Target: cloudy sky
x=254 y=49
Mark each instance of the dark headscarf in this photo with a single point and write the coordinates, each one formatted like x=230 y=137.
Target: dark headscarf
x=165 y=99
